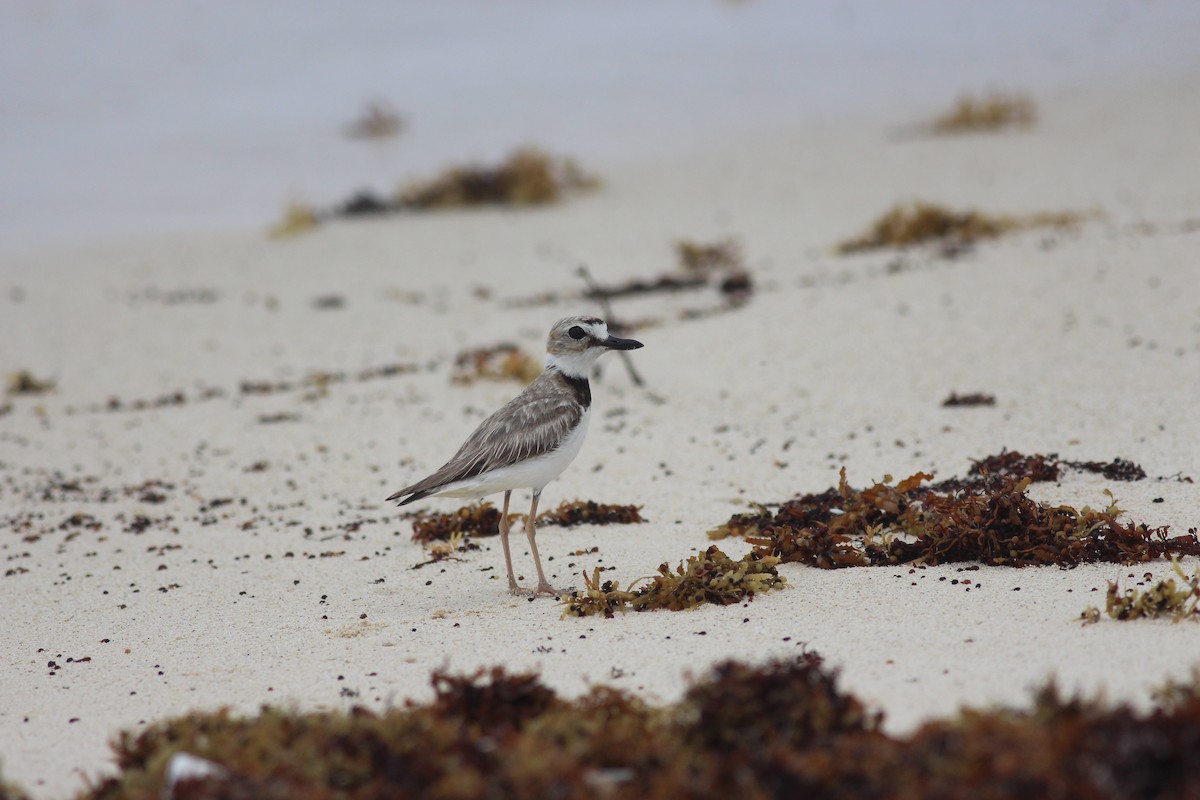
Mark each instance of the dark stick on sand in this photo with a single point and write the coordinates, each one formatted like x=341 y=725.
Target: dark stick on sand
x=606 y=307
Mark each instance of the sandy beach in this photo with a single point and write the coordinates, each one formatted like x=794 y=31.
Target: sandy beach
x=221 y=545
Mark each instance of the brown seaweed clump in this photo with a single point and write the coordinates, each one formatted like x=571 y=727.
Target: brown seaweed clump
x=502 y=702
x=481 y=519
x=589 y=512
x=1059 y=747
x=785 y=703
x=502 y=362
x=783 y=729
x=528 y=177
x=1119 y=469
x=24 y=383
x=1012 y=464
x=1166 y=598
x=917 y=223
x=711 y=577
x=991 y=112
x=988 y=519
x=1039 y=468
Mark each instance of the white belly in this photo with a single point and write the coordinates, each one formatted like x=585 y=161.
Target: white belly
x=534 y=473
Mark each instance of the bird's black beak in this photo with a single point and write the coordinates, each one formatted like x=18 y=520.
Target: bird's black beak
x=613 y=343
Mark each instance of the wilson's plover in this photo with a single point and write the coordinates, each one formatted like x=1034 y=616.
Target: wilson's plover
x=532 y=439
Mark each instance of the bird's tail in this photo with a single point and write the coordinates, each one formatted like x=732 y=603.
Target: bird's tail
x=412 y=496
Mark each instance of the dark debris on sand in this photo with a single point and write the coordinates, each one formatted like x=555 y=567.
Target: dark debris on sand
x=969 y=400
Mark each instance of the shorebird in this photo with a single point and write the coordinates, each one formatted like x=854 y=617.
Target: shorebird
x=532 y=439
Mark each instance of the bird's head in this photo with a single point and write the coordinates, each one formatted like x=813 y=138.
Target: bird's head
x=575 y=343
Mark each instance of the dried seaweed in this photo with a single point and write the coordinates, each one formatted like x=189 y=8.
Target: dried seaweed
x=1039 y=468
x=1059 y=747
x=378 y=120
x=1011 y=464
x=501 y=362
x=718 y=264
x=917 y=223
x=710 y=577
x=736 y=287
x=528 y=177
x=1165 y=598
x=23 y=382
x=589 y=512
x=1177 y=694
x=720 y=256
x=662 y=284
x=364 y=203
x=956 y=400
x=1119 y=469
x=502 y=703
x=482 y=519
x=783 y=729
x=448 y=550
x=991 y=112
x=297 y=218
x=987 y=518
x=785 y=703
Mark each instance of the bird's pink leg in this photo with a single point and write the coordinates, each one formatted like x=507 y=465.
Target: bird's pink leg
x=544 y=586
x=512 y=581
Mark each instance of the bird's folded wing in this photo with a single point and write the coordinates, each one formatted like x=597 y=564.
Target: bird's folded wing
x=529 y=426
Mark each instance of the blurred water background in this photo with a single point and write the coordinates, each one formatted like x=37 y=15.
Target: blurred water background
x=123 y=118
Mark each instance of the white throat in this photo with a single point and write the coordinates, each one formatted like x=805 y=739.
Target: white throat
x=575 y=365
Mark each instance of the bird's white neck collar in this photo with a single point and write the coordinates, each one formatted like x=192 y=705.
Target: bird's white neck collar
x=575 y=365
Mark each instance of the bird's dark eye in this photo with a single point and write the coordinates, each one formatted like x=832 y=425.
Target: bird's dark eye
x=576 y=332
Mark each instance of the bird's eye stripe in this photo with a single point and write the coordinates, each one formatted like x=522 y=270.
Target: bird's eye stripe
x=576 y=332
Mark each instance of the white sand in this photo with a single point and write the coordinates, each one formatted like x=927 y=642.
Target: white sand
x=1090 y=343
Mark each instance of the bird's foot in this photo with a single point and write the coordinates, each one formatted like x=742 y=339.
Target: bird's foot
x=545 y=588
x=516 y=590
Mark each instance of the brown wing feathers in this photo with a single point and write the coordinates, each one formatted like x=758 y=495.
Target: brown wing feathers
x=533 y=423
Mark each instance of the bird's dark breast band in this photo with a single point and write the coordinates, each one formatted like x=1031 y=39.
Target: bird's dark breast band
x=581 y=388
